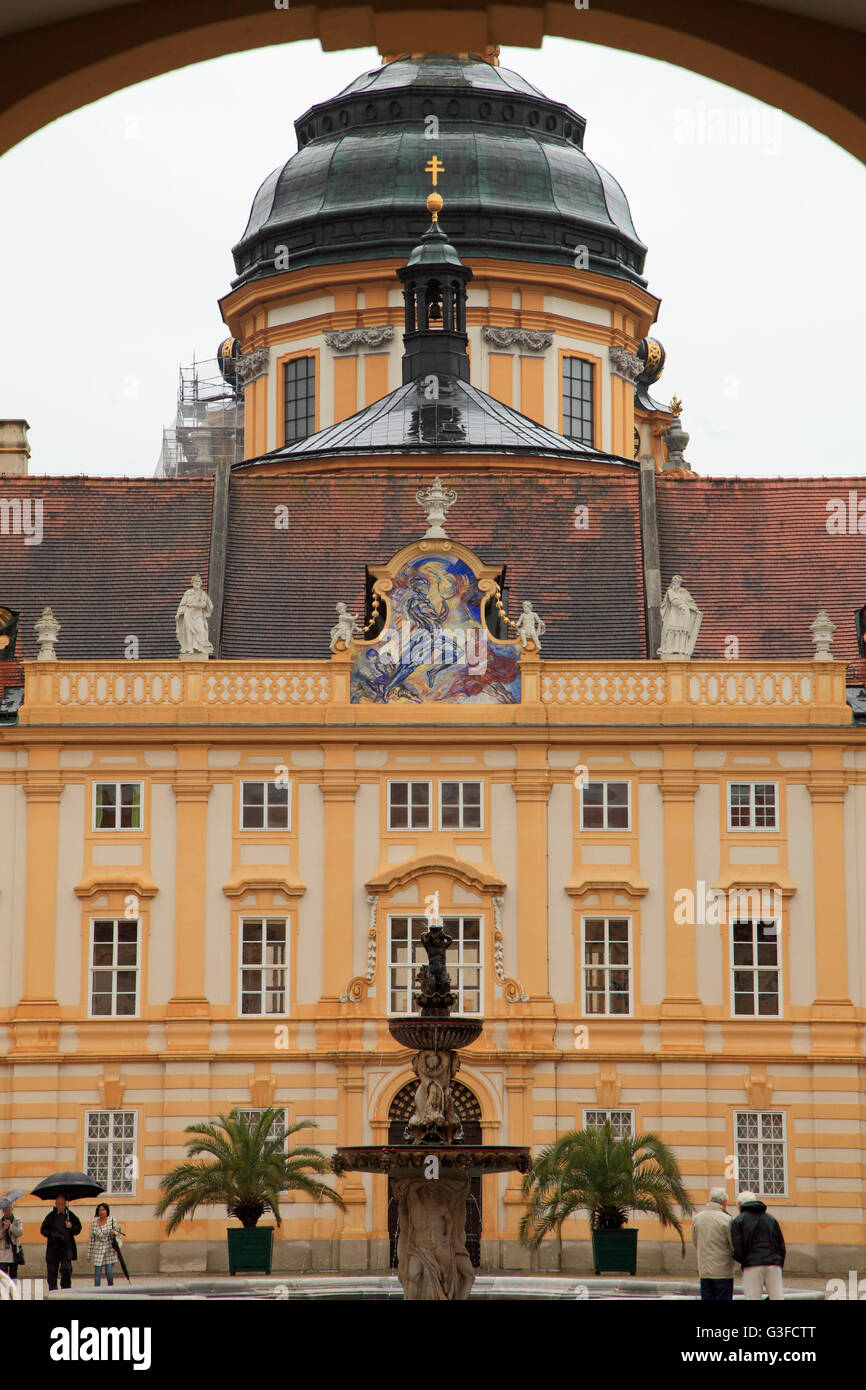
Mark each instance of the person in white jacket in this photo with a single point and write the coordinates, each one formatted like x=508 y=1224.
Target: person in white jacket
x=10 y=1239
x=711 y=1237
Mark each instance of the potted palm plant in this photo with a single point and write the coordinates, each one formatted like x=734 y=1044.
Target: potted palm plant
x=247 y=1169
x=606 y=1176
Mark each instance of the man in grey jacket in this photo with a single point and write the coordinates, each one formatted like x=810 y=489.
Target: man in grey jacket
x=711 y=1237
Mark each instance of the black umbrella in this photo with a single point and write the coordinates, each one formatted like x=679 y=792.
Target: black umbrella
x=117 y=1252
x=72 y=1186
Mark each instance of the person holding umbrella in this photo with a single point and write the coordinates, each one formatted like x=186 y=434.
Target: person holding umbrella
x=61 y=1225
x=10 y=1239
x=102 y=1247
x=60 y=1228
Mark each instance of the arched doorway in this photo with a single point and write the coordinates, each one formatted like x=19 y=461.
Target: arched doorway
x=469 y=1111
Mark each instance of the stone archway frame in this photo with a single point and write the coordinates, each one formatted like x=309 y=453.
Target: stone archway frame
x=808 y=67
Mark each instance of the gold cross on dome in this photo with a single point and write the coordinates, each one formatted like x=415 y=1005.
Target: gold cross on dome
x=434 y=168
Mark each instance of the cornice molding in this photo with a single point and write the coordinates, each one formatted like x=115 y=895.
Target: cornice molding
x=396 y=876
x=263 y=878
x=126 y=881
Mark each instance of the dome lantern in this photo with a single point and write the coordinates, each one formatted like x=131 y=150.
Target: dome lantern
x=434 y=295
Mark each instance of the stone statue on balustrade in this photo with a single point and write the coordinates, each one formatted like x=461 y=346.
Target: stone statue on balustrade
x=530 y=626
x=681 y=622
x=191 y=623
x=345 y=628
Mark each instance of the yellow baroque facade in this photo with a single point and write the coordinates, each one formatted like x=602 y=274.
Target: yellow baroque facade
x=339 y=878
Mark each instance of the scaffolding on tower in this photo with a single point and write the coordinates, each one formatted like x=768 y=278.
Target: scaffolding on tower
x=209 y=422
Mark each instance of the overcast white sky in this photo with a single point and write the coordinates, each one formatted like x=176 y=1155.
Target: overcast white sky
x=117 y=223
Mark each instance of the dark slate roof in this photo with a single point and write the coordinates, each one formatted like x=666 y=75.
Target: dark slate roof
x=463 y=420
x=115 y=558
x=281 y=585
x=517 y=182
x=756 y=555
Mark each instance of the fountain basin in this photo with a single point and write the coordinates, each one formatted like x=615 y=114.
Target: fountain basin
x=435 y=1034
x=408 y=1160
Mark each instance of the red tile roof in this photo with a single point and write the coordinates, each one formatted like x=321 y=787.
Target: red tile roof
x=281 y=585
x=115 y=558
x=757 y=558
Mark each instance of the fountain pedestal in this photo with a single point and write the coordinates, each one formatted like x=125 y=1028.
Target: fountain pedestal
x=431 y=1174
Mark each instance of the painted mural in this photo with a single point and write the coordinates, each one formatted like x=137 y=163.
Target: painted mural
x=435 y=646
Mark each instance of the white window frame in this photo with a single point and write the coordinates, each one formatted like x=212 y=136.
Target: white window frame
x=605 y=828
x=110 y=1141
x=607 y=1111
x=760 y=1191
x=118 y=829
x=410 y=782
x=461 y=782
x=262 y=919
x=456 y=974
x=91 y=968
x=264 y=829
x=246 y=1111
x=752 y=828
x=630 y=967
x=755 y=922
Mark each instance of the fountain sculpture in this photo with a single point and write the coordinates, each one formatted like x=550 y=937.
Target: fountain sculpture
x=431 y=1174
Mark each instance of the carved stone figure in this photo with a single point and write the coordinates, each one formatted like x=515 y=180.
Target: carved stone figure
x=435 y=1119
x=681 y=622
x=433 y=1263
x=624 y=363
x=47 y=629
x=254 y=365
x=530 y=626
x=345 y=627
x=191 y=622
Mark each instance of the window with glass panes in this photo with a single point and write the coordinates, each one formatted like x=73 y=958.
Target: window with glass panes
x=117 y=805
x=109 y=1150
x=278 y=1127
x=606 y=965
x=621 y=1121
x=460 y=805
x=752 y=806
x=300 y=398
x=409 y=806
x=114 y=966
x=264 y=806
x=264 y=969
x=604 y=806
x=463 y=960
x=760 y=1152
x=755 y=964
x=577 y=399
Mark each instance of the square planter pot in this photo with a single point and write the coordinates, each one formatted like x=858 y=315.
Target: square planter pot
x=615 y=1252
x=250 y=1249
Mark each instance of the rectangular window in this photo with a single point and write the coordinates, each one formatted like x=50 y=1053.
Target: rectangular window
x=606 y=965
x=577 y=399
x=463 y=959
x=109 y=1150
x=278 y=1128
x=752 y=806
x=114 y=967
x=621 y=1121
x=605 y=806
x=117 y=805
x=409 y=806
x=264 y=806
x=459 y=805
x=299 y=381
x=760 y=1152
x=264 y=966
x=755 y=968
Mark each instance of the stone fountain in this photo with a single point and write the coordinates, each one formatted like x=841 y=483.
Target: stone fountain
x=431 y=1173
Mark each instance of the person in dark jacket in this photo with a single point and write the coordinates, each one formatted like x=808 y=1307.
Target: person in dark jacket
x=60 y=1228
x=759 y=1246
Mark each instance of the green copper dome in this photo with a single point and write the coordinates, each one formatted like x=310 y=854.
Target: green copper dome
x=516 y=181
